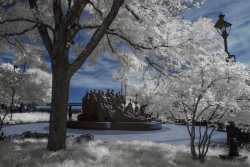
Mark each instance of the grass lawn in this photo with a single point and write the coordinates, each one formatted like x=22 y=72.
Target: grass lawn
x=32 y=152
x=30 y=117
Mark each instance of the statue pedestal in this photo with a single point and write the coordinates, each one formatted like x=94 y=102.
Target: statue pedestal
x=88 y=125
x=136 y=126
x=140 y=126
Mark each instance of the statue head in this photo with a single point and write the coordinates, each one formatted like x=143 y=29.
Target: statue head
x=136 y=108
x=129 y=104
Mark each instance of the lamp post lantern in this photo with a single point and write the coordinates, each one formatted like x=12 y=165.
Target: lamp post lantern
x=223 y=27
x=15 y=67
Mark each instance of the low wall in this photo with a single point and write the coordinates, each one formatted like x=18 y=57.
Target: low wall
x=139 y=126
x=88 y=125
x=135 y=126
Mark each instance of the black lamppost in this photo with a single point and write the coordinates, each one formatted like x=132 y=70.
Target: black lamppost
x=24 y=69
x=121 y=84
x=122 y=87
x=224 y=27
x=11 y=107
x=125 y=89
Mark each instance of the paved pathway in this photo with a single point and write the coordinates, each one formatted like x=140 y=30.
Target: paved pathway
x=170 y=133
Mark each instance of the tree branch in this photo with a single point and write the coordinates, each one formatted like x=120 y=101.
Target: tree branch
x=7 y=39
x=203 y=111
x=57 y=11
x=97 y=36
x=19 y=33
x=109 y=43
x=42 y=29
x=132 y=12
x=136 y=46
x=90 y=26
x=24 y=19
x=93 y=5
x=17 y=19
x=184 y=104
x=73 y=15
x=214 y=112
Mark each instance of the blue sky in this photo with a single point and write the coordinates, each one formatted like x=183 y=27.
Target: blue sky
x=99 y=77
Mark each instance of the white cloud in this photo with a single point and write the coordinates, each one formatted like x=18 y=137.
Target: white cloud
x=98 y=76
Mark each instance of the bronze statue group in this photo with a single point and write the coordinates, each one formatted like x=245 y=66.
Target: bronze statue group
x=100 y=107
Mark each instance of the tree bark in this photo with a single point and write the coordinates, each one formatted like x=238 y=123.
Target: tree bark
x=192 y=138
x=58 y=115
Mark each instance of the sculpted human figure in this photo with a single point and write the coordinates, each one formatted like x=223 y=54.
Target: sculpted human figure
x=129 y=108
x=90 y=95
x=112 y=94
x=90 y=105
x=123 y=100
x=108 y=95
x=105 y=100
x=102 y=112
x=85 y=102
x=86 y=97
x=85 y=115
x=120 y=99
x=136 y=113
x=95 y=95
x=142 y=110
x=104 y=97
x=99 y=96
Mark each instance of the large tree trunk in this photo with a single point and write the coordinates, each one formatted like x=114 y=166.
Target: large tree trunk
x=62 y=71
x=58 y=115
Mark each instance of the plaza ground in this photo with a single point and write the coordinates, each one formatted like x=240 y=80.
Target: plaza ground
x=168 y=146
x=170 y=133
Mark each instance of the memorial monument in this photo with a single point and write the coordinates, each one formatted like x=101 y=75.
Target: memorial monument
x=109 y=111
x=98 y=106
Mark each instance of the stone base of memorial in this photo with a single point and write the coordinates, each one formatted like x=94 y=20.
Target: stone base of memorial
x=140 y=126
x=88 y=125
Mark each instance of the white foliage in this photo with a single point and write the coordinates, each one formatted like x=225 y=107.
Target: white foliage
x=190 y=78
x=145 y=27
x=34 y=85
